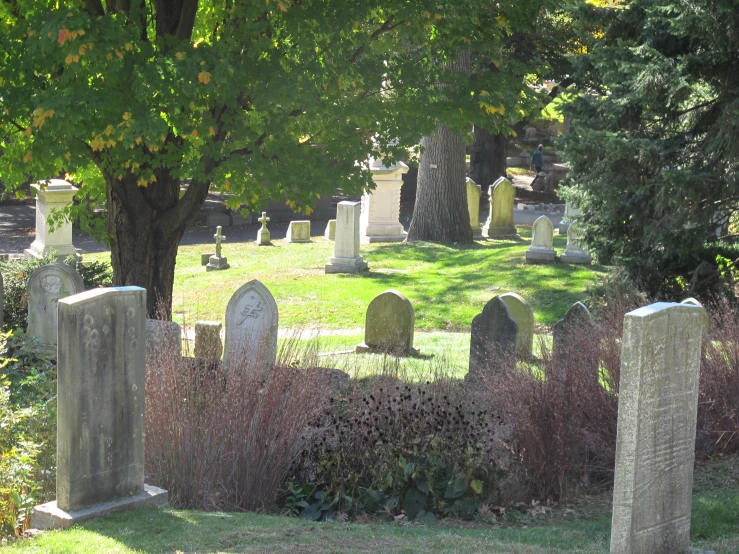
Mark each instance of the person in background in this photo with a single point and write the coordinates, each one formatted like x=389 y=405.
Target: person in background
x=537 y=158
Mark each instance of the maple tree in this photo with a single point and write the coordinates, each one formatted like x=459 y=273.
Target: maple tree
x=148 y=105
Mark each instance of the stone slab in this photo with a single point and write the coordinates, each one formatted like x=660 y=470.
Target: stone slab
x=520 y=310
x=492 y=341
x=47 y=285
x=205 y=258
x=389 y=324
x=537 y=256
x=569 y=258
x=50 y=516
x=298 y=231
x=330 y=232
x=500 y=219
x=208 y=342
x=655 y=444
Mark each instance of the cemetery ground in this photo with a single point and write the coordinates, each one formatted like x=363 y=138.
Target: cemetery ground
x=580 y=525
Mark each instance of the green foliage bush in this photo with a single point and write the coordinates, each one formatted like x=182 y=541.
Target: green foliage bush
x=27 y=430
x=420 y=450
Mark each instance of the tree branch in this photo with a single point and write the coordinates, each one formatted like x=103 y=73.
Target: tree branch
x=384 y=28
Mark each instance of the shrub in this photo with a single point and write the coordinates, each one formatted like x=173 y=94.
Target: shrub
x=398 y=447
x=27 y=430
x=225 y=440
x=94 y=274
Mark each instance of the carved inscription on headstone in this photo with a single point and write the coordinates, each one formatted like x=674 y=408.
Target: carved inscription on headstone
x=251 y=329
x=655 y=446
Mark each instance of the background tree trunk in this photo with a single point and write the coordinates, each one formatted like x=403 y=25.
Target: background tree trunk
x=145 y=226
x=441 y=211
x=488 y=157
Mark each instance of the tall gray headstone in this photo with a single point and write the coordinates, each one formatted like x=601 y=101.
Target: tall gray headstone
x=251 y=329
x=493 y=340
x=566 y=348
x=389 y=324
x=655 y=445
x=46 y=286
x=346 y=258
x=100 y=413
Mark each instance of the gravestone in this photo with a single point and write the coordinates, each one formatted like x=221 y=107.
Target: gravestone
x=566 y=349
x=389 y=324
x=205 y=258
x=100 y=408
x=263 y=235
x=500 y=220
x=2 y=301
x=346 y=258
x=163 y=338
x=492 y=341
x=298 y=231
x=692 y=302
x=251 y=329
x=542 y=240
x=473 y=206
x=655 y=443
x=330 y=232
x=208 y=344
x=530 y=133
x=46 y=286
x=380 y=219
x=521 y=312
x=575 y=253
x=218 y=262
x=53 y=196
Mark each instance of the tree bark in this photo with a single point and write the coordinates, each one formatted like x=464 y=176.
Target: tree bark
x=488 y=157
x=145 y=225
x=440 y=213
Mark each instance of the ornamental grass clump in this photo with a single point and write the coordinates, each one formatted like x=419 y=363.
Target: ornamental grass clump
x=398 y=447
x=225 y=440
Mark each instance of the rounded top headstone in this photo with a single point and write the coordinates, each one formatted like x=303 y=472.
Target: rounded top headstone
x=542 y=232
x=521 y=311
x=46 y=286
x=390 y=322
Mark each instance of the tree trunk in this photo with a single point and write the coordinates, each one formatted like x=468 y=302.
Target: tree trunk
x=145 y=225
x=440 y=213
x=488 y=157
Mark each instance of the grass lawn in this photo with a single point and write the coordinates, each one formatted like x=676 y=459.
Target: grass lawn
x=581 y=527
x=447 y=284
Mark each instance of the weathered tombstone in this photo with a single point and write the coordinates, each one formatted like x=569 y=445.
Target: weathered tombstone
x=100 y=408
x=380 y=220
x=493 y=340
x=522 y=313
x=389 y=324
x=163 y=338
x=251 y=329
x=346 y=258
x=530 y=133
x=575 y=253
x=655 y=443
x=500 y=220
x=2 y=301
x=330 y=232
x=46 y=286
x=542 y=240
x=208 y=344
x=263 y=235
x=53 y=196
x=576 y=323
x=217 y=261
x=205 y=258
x=298 y=231
x=473 y=206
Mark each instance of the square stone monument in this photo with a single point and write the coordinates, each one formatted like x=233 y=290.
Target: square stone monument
x=474 y=192
x=330 y=232
x=655 y=443
x=542 y=240
x=500 y=220
x=100 y=414
x=251 y=329
x=46 y=286
x=52 y=197
x=298 y=231
x=380 y=220
x=346 y=258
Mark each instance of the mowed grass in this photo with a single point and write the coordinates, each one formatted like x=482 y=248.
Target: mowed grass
x=447 y=284
x=585 y=528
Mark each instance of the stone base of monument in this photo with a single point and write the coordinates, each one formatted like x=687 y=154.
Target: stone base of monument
x=575 y=257
x=346 y=265
x=498 y=233
x=263 y=238
x=477 y=233
x=216 y=263
x=205 y=258
x=364 y=348
x=48 y=516
x=545 y=255
x=61 y=252
x=383 y=233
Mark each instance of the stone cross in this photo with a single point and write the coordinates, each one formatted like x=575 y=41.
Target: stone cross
x=264 y=219
x=219 y=238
